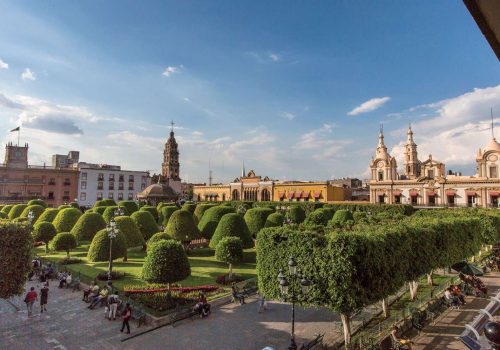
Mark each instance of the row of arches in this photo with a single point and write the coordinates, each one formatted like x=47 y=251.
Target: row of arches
x=251 y=195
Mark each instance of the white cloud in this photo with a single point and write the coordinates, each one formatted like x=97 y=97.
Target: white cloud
x=320 y=144
x=170 y=70
x=274 y=57
x=28 y=74
x=288 y=115
x=3 y=64
x=369 y=105
x=197 y=133
x=186 y=99
x=263 y=57
x=459 y=126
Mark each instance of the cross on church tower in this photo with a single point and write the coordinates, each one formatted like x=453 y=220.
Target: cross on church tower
x=172 y=124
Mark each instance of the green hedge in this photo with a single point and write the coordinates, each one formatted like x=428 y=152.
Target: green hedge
x=63 y=241
x=166 y=212
x=181 y=226
x=99 y=210
x=104 y=203
x=7 y=208
x=256 y=219
x=109 y=212
x=132 y=234
x=36 y=209
x=15 y=252
x=152 y=210
x=43 y=232
x=297 y=214
x=37 y=202
x=201 y=209
x=211 y=218
x=166 y=262
x=87 y=226
x=17 y=210
x=3 y=215
x=66 y=219
x=275 y=220
x=318 y=217
x=156 y=238
x=232 y=225
x=130 y=206
x=190 y=207
x=48 y=215
x=146 y=223
x=403 y=209
x=99 y=248
x=230 y=251
x=342 y=217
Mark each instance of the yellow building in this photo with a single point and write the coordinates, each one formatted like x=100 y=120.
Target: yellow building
x=251 y=187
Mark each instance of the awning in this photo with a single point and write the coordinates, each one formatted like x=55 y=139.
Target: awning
x=494 y=193
x=450 y=193
x=317 y=194
x=290 y=194
x=470 y=193
x=298 y=194
x=305 y=194
x=413 y=193
x=397 y=193
x=431 y=193
x=281 y=194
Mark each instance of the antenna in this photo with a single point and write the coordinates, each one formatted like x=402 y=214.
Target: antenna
x=172 y=123
x=210 y=178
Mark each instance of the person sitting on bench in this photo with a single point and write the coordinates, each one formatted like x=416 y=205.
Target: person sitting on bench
x=404 y=343
x=103 y=295
x=202 y=307
x=453 y=300
x=237 y=294
x=457 y=292
x=91 y=289
x=63 y=281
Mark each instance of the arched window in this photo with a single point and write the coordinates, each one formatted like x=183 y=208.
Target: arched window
x=265 y=196
x=236 y=195
x=223 y=197
x=380 y=176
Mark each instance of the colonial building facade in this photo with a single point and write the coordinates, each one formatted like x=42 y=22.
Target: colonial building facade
x=426 y=183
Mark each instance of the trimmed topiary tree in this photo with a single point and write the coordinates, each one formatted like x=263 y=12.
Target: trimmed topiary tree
x=211 y=218
x=166 y=262
x=3 y=215
x=99 y=210
x=317 y=217
x=275 y=220
x=74 y=205
x=296 y=214
x=130 y=206
x=182 y=228
x=151 y=210
x=87 y=226
x=15 y=249
x=36 y=209
x=190 y=207
x=99 y=248
x=109 y=212
x=342 y=217
x=48 y=215
x=166 y=212
x=230 y=251
x=104 y=203
x=63 y=241
x=64 y=206
x=66 y=219
x=146 y=223
x=17 y=210
x=131 y=232
x=44 y=232
x=37 y=202
x=255 y=219
x=232 y=225
x=7 y=208
x=158 y=236
x=201 y=209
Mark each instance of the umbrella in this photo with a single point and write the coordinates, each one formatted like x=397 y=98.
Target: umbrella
x=467 y=268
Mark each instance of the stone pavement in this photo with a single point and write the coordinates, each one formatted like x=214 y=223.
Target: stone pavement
x=444 y=332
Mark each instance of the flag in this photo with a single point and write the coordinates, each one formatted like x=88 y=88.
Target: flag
x=16 y=129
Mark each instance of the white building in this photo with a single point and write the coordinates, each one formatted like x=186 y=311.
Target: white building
x=101 y=181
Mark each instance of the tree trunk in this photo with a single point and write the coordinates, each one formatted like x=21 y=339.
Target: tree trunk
x=413 y=289
x=385 y=308
x=346 y=323
x=430 y=281
x=46 y=247
x=230 y=271
x=67 y=254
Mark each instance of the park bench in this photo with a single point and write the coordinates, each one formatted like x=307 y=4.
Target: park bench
x=246 y=288
x=139 y=316
x=182 y=315
x=317 y=341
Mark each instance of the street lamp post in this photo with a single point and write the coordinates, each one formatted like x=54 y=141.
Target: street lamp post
x=292 y=287
x=31 y=217
x=112 y=232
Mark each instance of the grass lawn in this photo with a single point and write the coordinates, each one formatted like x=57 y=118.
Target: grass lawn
x=204 y=268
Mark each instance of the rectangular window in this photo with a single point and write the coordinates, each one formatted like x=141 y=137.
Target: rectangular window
x=451 y=200
x=381 y=199
x=66 y=196
x=100 y=185
x=121 y=178
x=100 y=177
x=120 y=196
x=99 y=196
x=52 y=181
x=397 y=199
x=130 y=196
x=111 y=177
x=111 y=185
x=83 y=196
x=493 y=172
x=430 y=174
x=380 y=176
x=51 y=195
x=110 y=195
x=120 y=186
x=131 y=178
x=67 y=182
x=130 y=186
x=414 y=200
x=84 y=185
x=84 y=176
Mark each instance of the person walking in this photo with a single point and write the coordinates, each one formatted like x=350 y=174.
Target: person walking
x=44 y=296
x=113 y=302
x=262 y=302
x=30 y=299
x=126 y=317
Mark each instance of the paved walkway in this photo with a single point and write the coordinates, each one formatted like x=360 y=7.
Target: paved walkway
x=444 y=332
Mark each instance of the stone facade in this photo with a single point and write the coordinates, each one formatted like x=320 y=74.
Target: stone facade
x=427 y=183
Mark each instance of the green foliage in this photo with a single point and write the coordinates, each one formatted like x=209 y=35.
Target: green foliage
x=109 y=212
x=359 y=216
x=17 y=210
x=181 y=226
x=164 y=204
x=232 y=225
x=211 y=218
x=36 y=209
x=402 y=209
x=48 y=215
x=131 y=232
x=318 y=217
x=146 y=223
x=342 y=217
x=229 y=250
x=87 y=226
x=99 y=248
x=99 y=210
x=275 y=220
x=151 y=210
x=256 y=219
x=7 y=208
x=66 y=219
x=166 y=212
x=329 y=212
x=166 y=262
x=43 y=232
x=3 y=215
x=130 y=206
x=37 y=202
x=190 y=207
x=156 y=238
x=63 y=241
x=74 y=205
x=297 y=214
x=104 y=203
x=15 y=252
x=64 y=206
x=201 y=209
x=20 y=219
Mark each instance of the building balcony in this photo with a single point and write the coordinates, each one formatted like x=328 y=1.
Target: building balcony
x=65 y=198
x=67 y=183
x=100 y=188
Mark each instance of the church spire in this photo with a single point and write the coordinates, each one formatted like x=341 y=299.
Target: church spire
x=170 y=165
x=412 y=164
x=381 y=145
x=243 y=170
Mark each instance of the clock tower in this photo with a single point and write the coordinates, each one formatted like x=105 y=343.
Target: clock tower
x=16 y=156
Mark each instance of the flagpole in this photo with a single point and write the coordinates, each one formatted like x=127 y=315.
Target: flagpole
x=18 y=135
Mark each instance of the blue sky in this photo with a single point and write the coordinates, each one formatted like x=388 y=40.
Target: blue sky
x=274 y=84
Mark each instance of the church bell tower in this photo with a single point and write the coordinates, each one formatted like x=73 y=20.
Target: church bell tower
x=170 y=165
x=412 y=164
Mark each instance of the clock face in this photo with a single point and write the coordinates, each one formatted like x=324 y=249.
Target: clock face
x=493 y=158
x=381 y=164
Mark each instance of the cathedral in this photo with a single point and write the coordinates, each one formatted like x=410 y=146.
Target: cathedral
x=168 y=186
x=426 y=183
